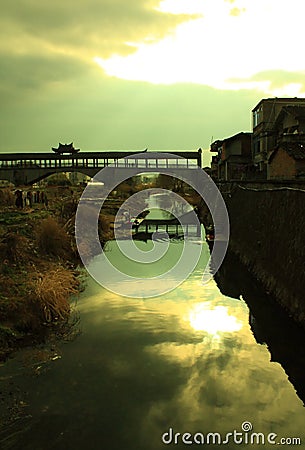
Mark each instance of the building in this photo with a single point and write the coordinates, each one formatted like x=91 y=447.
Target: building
x=287 y=162
x=214 y=167
x=274 y=150
x=233 y=156
x=290 y=122
x=273 y=118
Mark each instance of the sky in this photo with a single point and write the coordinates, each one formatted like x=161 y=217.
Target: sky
x=136 y=74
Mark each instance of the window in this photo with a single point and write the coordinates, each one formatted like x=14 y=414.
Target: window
x=257 y=117
x=256 y=147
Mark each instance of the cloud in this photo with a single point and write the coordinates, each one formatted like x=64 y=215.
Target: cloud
x=86 y=27
x=52 y=90
x=219 y=45
x=47 y=44
x=273 y=82
x=28 y=72
x=280 y=78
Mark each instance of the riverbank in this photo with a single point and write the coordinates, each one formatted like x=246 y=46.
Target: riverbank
x=39 y=270
x=37 y=277
x=267 y=223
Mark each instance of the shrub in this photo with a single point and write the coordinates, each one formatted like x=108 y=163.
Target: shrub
x=90 y=239
x=52 y=239
x=13 y=247
x=51 y=293
x=6 y=197
x=67 y=208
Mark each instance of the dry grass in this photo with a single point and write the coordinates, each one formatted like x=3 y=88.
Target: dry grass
x=68 y=207
x=13 y=248
x=6 y=197
x=36 y=280
x=89 y=243
x=51 y=292
x=104 y=223
x=9 y=301
x=52 y=239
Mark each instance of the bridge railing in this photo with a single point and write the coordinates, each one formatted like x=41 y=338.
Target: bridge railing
x=85 y=162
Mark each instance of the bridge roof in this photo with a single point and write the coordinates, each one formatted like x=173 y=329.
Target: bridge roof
x=96 y=154
x=82 y=155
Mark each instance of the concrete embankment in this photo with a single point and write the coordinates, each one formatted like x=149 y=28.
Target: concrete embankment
x=267 y=222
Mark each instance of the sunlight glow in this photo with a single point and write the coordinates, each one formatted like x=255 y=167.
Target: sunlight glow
x=224 y=46
x=213 y=321
x=181 y=6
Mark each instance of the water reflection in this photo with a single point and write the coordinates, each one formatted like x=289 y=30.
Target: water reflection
x=269 y=323
x=213 y=320
x=187 y=360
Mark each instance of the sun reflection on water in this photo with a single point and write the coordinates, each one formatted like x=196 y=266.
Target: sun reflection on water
x=213 y=320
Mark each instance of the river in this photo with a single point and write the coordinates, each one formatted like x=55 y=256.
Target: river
x=195 y=360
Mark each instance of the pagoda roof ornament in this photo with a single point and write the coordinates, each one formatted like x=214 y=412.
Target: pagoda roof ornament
x=65 y=148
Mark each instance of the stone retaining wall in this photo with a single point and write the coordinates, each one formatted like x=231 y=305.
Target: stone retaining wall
x=268 y=235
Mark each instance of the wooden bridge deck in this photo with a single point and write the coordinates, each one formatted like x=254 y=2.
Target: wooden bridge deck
x=185 y=223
